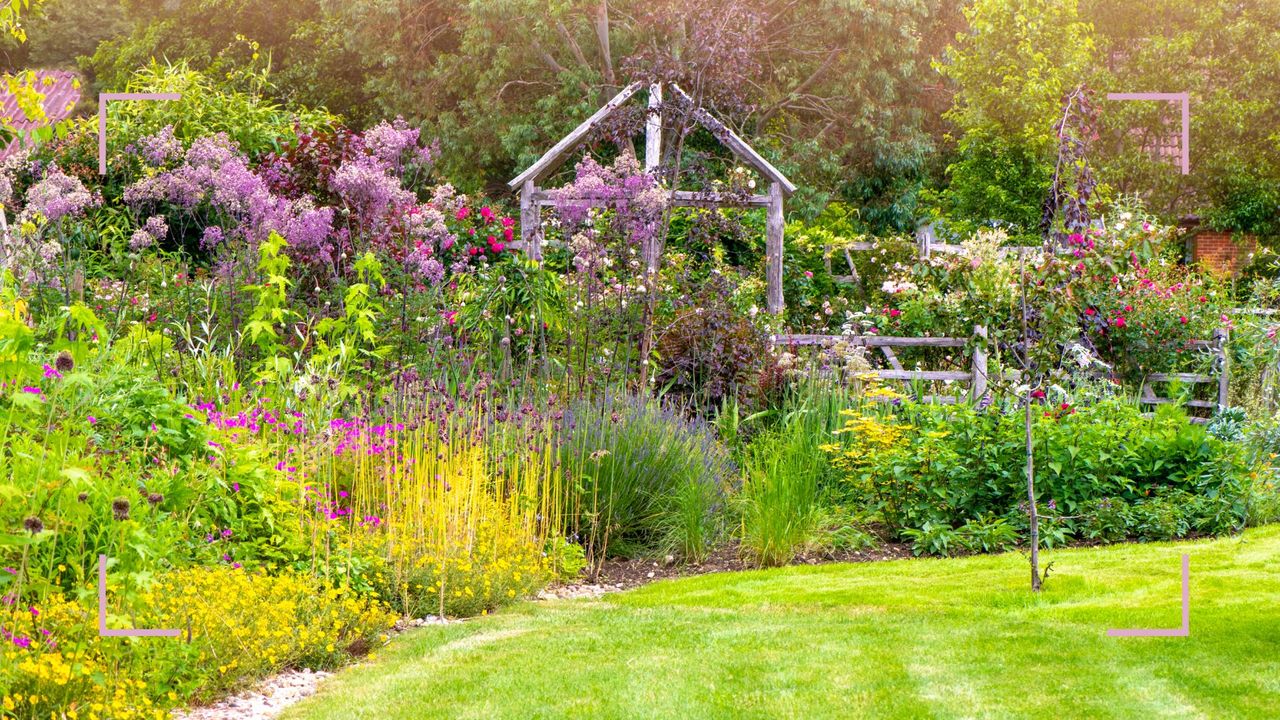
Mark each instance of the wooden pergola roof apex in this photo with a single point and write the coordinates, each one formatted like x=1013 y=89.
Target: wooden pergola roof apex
x=559 y=153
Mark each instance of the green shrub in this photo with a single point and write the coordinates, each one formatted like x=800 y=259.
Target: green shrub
x=1103 y=471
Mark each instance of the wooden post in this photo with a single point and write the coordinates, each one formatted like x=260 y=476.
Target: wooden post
x=978 y=389
x=653 y=130
x=1220 y=337
x=774 y=228
x=530 y=222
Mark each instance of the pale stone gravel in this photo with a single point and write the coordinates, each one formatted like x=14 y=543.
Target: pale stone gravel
x=574 y=592
x=270 y=697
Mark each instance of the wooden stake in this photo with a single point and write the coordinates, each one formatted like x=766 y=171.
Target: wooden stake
x=774 y=228
x=530 y=222
x=1031 y=470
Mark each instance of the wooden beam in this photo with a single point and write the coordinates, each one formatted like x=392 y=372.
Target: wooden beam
x=923 y=374
x=530 y=221
x=653 y=130
x=868 y=340
x=979 y=387
x=1220 y=337
x=554 y=157
x=1180 y=377
x=775 y=226
x=686 y=198
x=731 y=140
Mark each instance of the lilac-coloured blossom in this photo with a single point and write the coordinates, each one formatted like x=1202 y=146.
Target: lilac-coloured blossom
x=161 y=148
x=368 y=190
x=395 y=145
x=58 y=196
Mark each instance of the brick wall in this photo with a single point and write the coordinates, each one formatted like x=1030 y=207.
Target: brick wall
x=1222 y=252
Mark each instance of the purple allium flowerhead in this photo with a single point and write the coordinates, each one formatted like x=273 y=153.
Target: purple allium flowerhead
x=58 y=195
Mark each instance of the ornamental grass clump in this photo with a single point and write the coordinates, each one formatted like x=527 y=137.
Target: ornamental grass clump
x=642 y=478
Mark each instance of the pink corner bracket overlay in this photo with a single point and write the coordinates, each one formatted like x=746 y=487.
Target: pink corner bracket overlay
x=105 y=98
x=1185 y=630
x=103 y=630
x=1185 y=100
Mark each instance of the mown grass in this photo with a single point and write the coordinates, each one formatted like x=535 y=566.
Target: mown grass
x=960 y=638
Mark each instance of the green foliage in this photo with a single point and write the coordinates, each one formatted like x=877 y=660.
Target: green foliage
x=237 y=104
x=1012 y=71
x=780 y=493
x=353 y=337
x=1102 y=470
x=1216 y=51
x=642 y=478
x=271 y=306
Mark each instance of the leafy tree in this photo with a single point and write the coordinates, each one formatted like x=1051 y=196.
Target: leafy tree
x=59 y=31
x=1012 y=70
x=1223 y=54
x=308 y=61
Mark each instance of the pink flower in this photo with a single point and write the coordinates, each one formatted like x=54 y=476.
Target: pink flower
x=808 y=273
x=462 y=213
x=497 y=247
x=895 y=312
x=1120 y=322
x=1183 y=319
x=486 y=213
x=508 y=222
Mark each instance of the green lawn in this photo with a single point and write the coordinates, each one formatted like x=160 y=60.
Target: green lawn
x=908 y=639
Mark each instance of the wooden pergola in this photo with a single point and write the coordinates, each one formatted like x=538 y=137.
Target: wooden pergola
x=533 y=197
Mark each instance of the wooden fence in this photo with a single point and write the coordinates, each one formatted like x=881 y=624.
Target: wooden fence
x=1219 y=376
x=976 y=376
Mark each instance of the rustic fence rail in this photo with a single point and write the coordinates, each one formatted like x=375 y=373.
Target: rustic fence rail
x=975 y=376
x=1219 y=375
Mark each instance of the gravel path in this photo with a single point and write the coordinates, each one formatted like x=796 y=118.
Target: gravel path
x=267 y=700
x=270 y=697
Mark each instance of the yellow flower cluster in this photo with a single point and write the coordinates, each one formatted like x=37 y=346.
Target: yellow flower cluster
x=236 y=627
x=239 y=626
x=495 y=565
x=64 y=671
x=865 y=436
